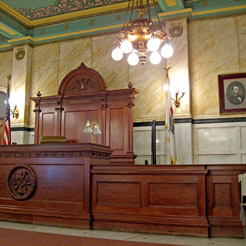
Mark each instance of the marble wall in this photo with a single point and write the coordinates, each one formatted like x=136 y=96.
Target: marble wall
x=51 y=62
x=6 y=61
x=211 y=52
x=217 y=46
x=220 y=143
x=206 y=48
x=183 y=144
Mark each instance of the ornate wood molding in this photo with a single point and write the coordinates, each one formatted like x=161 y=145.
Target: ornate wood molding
x=57 y=151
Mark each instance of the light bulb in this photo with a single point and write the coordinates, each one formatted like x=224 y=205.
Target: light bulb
x=126 y=46
x=166 y=87
x=153 y=44
x=155 y=58
x=133 y=59
x=167 y=51
x=117 y=54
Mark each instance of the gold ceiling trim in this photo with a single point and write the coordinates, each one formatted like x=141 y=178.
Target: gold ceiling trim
x=102 y=10
x=171 y=3
x=21 y=39
x=200 y=13
x=63 y=17
x=214 y=11
x=5 y=46
x=63 y=35
x=7 y=30
x=16 y=15
x=79 y=14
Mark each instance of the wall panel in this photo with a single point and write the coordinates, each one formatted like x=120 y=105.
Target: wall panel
x=219 y=142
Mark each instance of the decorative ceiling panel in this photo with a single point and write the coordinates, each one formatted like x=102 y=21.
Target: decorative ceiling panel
x=60 y=7
x=44 y=21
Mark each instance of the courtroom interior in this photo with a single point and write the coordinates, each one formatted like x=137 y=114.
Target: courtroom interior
x=124 y=115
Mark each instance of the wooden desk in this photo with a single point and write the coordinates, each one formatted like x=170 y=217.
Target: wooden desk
x=200 y=200
x=77 y=186
x=62 y=193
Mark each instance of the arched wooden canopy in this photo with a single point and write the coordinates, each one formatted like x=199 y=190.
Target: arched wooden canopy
x=82 y=80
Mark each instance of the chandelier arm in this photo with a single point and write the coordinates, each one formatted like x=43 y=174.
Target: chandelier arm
x=128 y=7
x=131 y=9
x=136 y=12
x=159 y=21
x=148 y=9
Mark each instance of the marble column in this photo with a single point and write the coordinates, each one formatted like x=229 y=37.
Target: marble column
x=20 y=92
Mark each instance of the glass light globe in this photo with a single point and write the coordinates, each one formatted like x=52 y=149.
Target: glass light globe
x=117 y=54
x=155 y=58
x=167 y=51
x=153 y=44
x=133 y=59
x=126 y=46
x=166 y=87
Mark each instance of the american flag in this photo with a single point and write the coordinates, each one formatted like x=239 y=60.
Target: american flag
x=7 y=129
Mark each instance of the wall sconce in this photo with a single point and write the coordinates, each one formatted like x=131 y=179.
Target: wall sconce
x=15 y=112
x=93 y=128
x=177 y=100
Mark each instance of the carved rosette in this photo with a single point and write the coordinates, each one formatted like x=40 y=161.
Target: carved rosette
x=21 y=182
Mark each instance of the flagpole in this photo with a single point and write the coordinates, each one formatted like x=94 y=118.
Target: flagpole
x=167 y=117
x=7 y=128
x=9 y=78
x=169 y=124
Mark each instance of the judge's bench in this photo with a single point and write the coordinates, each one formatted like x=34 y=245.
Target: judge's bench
x=96 y=185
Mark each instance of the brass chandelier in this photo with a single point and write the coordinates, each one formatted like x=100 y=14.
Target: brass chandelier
x=140 y=36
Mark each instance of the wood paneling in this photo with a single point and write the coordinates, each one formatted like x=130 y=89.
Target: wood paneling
x=1 y=131
x=114 y=194
x=223 y=200
x=152 y=199
x=173 y=199
x=63 y=182
x=222 y=193
x=73 y=123
x=83 y=96
x=77 y=186
x=161 y=196
x=48 y=124
x=116 y=119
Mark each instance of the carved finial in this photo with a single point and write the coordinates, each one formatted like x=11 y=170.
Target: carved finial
x=39 y=94
x=130 y=85
x=82 y=65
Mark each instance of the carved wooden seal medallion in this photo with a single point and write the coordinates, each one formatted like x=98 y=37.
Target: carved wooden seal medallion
x=21 y=182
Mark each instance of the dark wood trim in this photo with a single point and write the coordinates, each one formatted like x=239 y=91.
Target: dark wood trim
x=193 y=121
x=18 y=129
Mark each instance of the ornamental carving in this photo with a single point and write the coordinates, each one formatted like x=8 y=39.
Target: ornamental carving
x=82 y=80
x=176 y=30
x=82 y=84
x=63 y=7
x=74 y=154
x=21 y=182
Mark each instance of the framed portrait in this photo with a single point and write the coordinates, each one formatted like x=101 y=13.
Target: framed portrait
x=232 y=93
